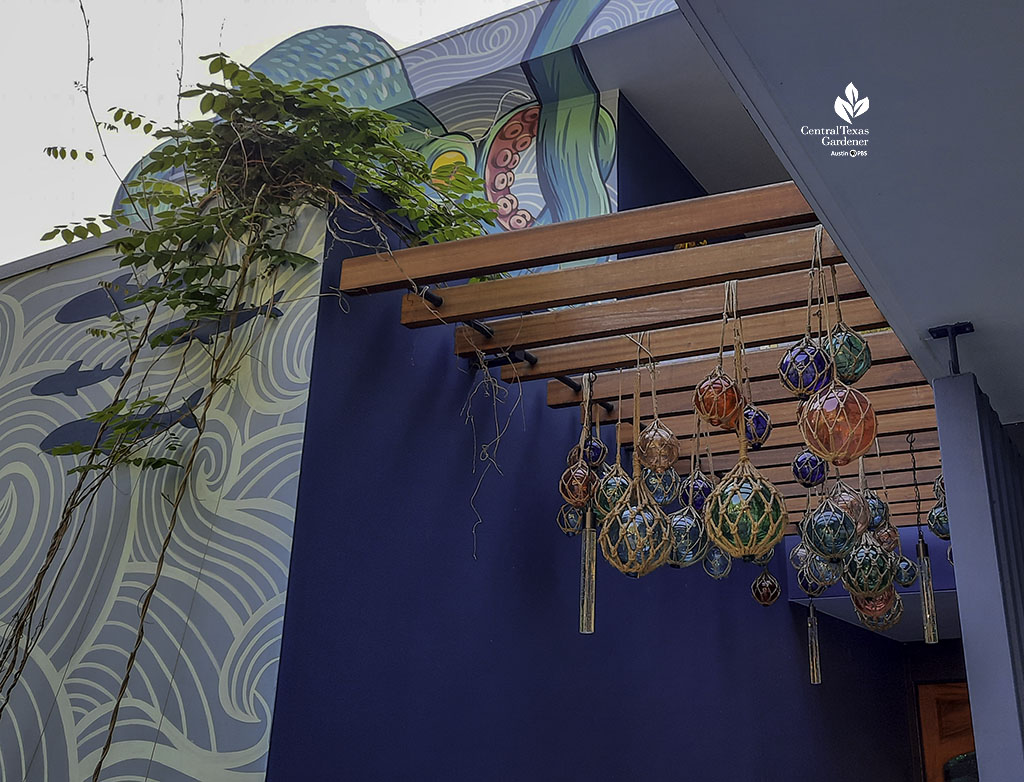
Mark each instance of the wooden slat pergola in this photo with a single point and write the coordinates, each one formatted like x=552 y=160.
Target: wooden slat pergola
x=762 y=237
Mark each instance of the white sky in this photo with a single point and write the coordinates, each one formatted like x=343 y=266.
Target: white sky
x=135 y=58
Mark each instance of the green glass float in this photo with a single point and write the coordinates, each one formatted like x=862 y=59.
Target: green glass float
x=938 y=521
x=689 y=538
x=610 y=489
x=717 y=563
x=906 y=572
x=868 y=569
x=745 y=514
x=851 y=353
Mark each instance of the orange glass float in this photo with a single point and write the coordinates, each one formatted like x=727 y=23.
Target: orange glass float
x=717 y=399
x=875 y=605
x=838 y=423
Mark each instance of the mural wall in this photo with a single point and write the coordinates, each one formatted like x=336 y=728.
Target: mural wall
x=511 y=97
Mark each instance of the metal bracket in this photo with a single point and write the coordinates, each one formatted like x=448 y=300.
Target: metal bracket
x=950 y=332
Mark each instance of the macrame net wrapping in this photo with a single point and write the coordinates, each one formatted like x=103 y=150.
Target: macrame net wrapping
x=805 y=367
x=805 y=579
x=570 y=519
x=868 y=569
x=717 y=399
x=939 y=488
x=809 y=469
x=717 y=563
x=938 y=521
x=757 y=426
x=874 y=605
x=577 y=484
x=664 y=486
x=745 y=515
x=657 y=446
x=878 y=509
x=906 y=572
x=888 y=537
x=579 y=480
x=830 y=531
x=689 y=538
x=851 y=353
x=765 y=588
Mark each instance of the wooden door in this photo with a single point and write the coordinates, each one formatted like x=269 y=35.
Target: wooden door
x=945 y=717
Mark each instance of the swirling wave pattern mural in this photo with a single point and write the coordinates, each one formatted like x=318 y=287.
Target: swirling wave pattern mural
x=201 y=696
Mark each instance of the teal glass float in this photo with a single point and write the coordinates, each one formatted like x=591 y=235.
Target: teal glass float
x=868 y=569
x=830 y=532
x=878 y=509
x=571 y=519
x=851 y=353
x=805 y=368
x=695 y=488
x=663 y=486
x=906 y=572
x=809 y=469
x=757 y=426
x=689 y=538
x=938 y=521
x=717 y=563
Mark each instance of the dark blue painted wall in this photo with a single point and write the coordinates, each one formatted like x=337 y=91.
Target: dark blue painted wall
x=406 y=658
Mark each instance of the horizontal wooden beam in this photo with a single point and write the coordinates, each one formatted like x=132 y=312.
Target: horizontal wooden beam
x=679 y=342
x=643 y=313
x=683 y=376
x=627 y=277
x=727 y=214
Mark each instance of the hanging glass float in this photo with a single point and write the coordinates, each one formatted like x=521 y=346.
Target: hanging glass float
x=888 y=537
x=664 y=486
x=689 y=538
x=838 y=423
x=938 y=521
x=809 y=469
x=808 y=584
x=765 y=558
x=853 y=502
x=831 y=529
x=657 y=446
x=887 y=621
x=695 y=488
x=851 y=353
x=745 y=514
x=594 y=451
x=823 y=571
x=717 y=563
x=878 y=509
x=906 y=572
x=874 y=605
x=570 y=519
x=718 y=400
x=799 y=555
x=939 y=488
x=868 y=569
x=610 y=489
x=805 y=368
x=757 y=426
x=765 y=588
x=577 y=484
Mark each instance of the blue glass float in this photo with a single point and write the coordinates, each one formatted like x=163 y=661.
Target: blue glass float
x=808 y=584
x=938 y=521
x=694 y=489
x=809 y=469
x=906 y=572
x=664 y=486
x=830 y=532
x=765 y=558
x=570 y=519
x=717 y=563
x=850 y=352
x=757 y=425
x=805 y=368
x=799 y=555
x=821 y=570
x=594 y=450
x=689 y=538
x=878 y=509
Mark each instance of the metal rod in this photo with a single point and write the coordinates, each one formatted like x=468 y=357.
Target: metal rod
x=565 y=380
x=430 y=296
x=481 y=328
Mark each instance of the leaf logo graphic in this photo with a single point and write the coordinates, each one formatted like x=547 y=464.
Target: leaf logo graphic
x=852 y=106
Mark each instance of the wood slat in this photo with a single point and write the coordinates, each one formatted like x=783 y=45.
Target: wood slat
x=643 y=313
x=627 y=277
x=897 y=374
x=679 y=342
x=727 y=214
x=763 y=364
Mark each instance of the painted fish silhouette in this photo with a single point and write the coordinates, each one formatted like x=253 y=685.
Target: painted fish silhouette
x=205 y=330
x=73 y=378
x=104 y=301
x=85 y=430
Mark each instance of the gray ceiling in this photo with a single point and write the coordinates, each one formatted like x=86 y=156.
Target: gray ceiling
x=662 y=68
x=931 y=219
